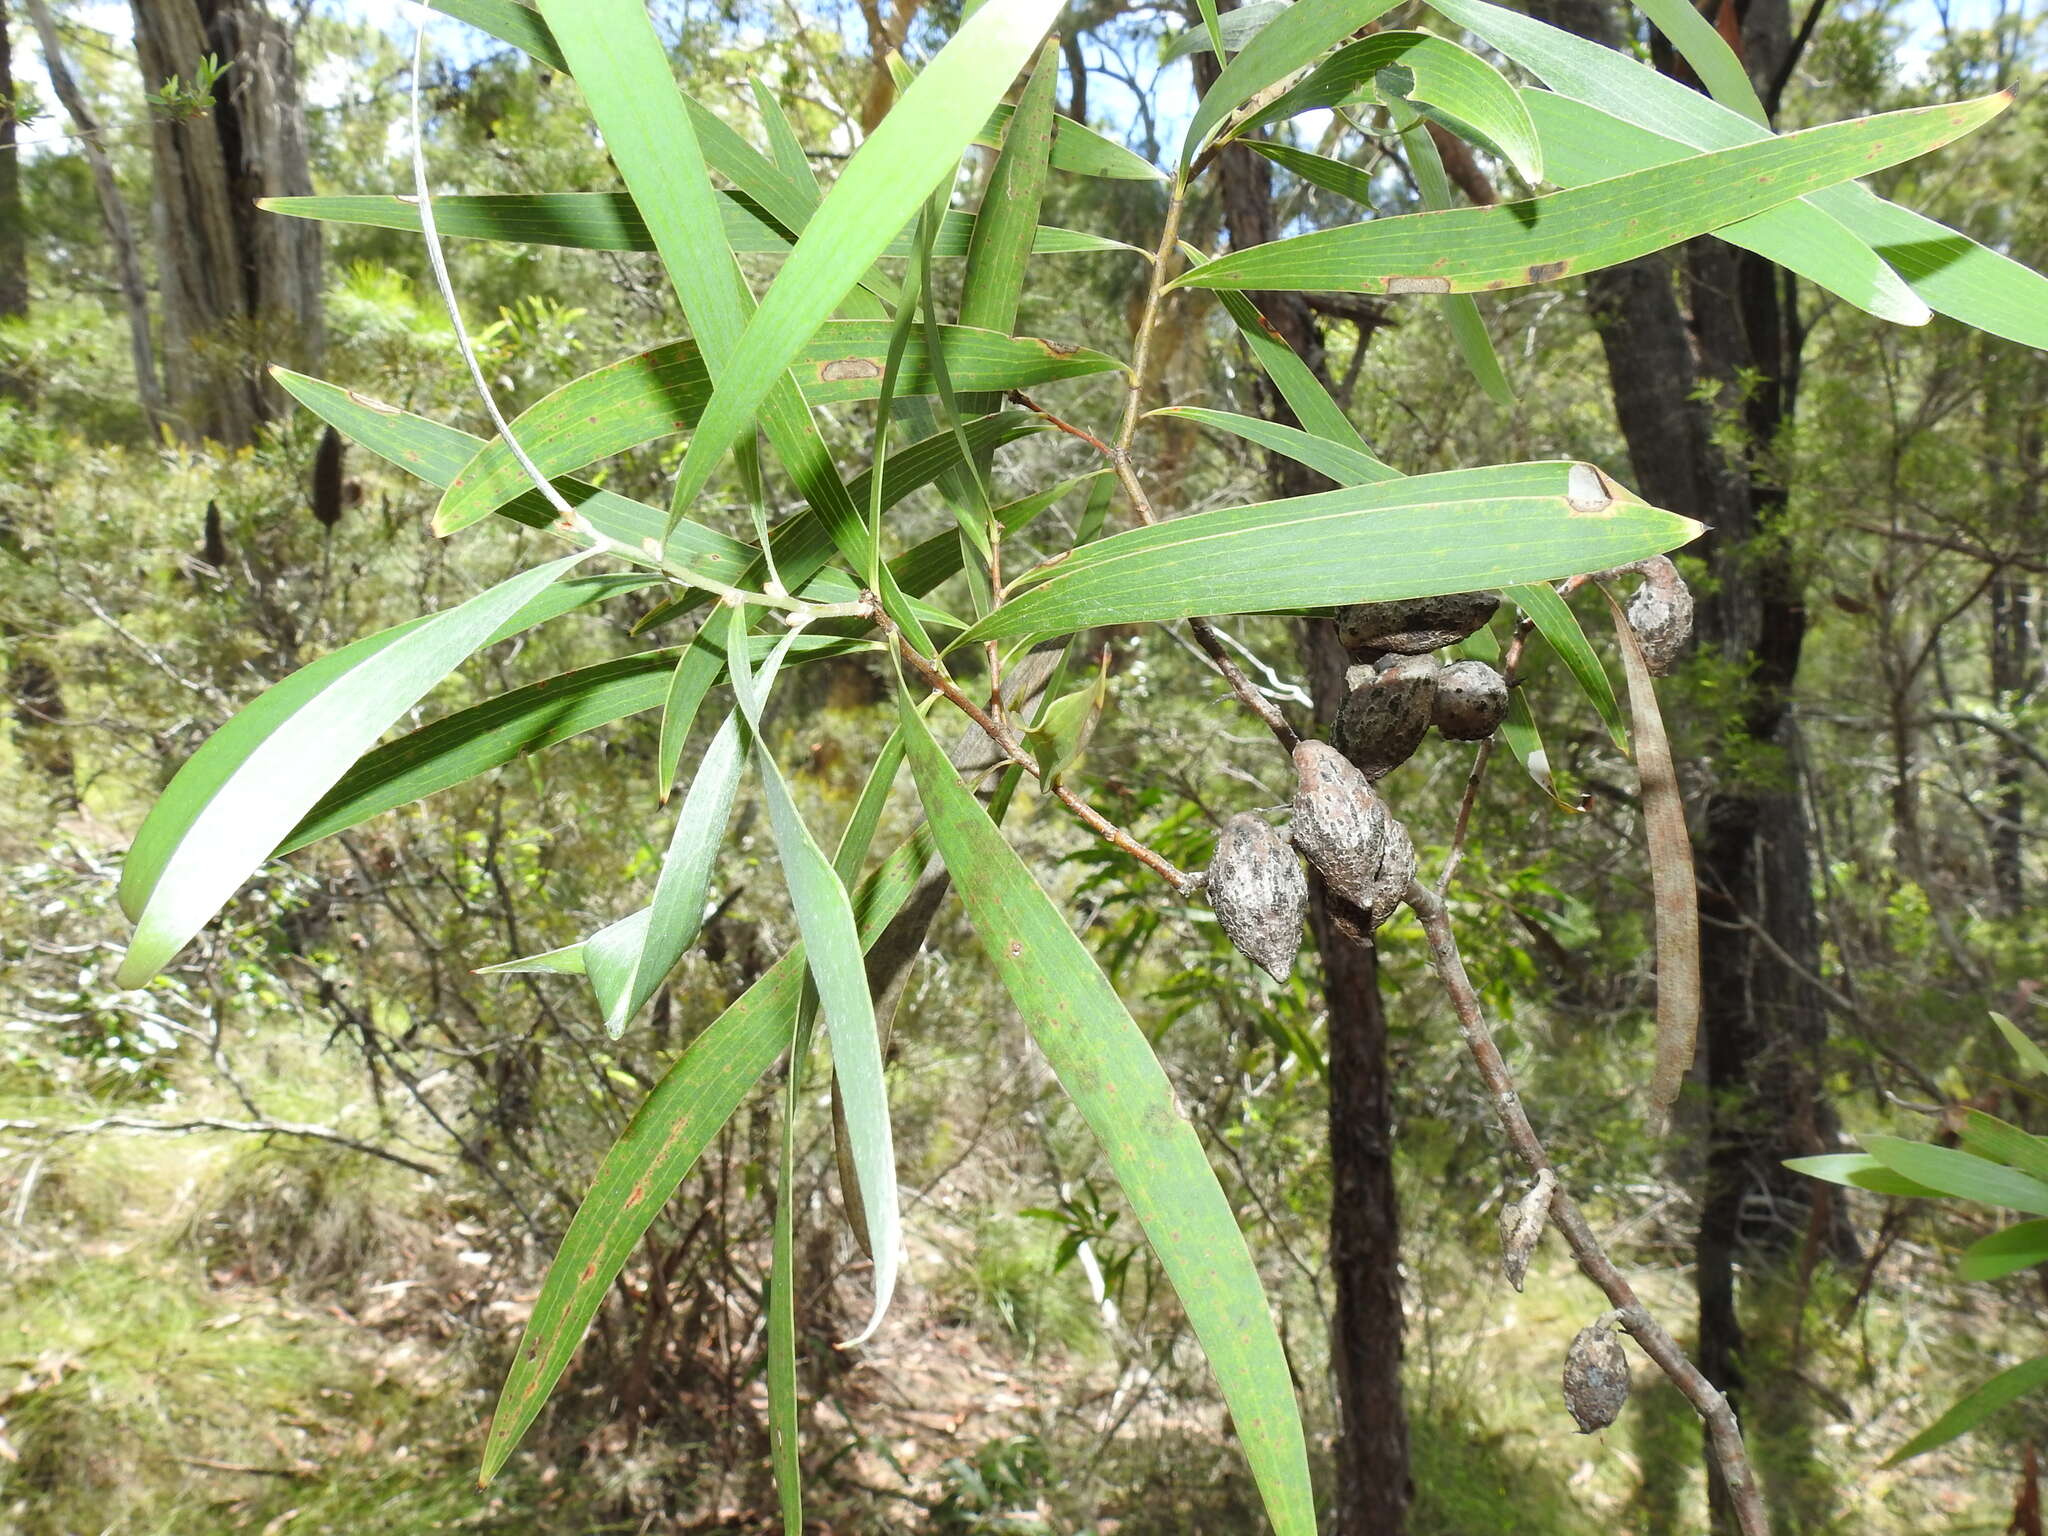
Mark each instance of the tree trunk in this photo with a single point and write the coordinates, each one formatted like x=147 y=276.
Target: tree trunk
x=113 y=212
x=240 y=287
x=1374 y=1488
x=13 y=226
x=1733 y=350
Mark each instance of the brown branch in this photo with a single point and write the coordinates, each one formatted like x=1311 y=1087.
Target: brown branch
x=1655 y=1340
x=242 y=1127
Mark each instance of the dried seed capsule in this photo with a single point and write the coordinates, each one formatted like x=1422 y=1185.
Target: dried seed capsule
x=1396 y=870
x=1521 y=1225
x=1340 y=825
x=1414 y=626
x=1385 y=719
x=1259 y=893
x=1595 y=1378
x=1660 y=613
x=1471 y=701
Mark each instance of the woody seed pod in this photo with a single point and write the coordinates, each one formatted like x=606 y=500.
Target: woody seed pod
x=1340 y=825
x=1396 y=870
x=1471 y=701
x=1412 y=627
x=1660 y=612
x=1259 y=893
x=1386 y=717
x=1595 y=1378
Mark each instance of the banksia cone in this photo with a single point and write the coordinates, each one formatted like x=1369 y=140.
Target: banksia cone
x=1471 y=701
x=327 y=479
x=1259 y=893
x=1340 y=825
x=1415 y=626
x=1386 y=716
x=1595 y=1378
x=1660 y=613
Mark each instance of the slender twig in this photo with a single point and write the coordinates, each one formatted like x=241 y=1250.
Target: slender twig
x=1656 y=1341
x=243 y=1127
x=998 y=731
x=1510 y=665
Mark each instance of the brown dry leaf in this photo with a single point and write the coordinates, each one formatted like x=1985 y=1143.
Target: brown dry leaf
x=1671 y=880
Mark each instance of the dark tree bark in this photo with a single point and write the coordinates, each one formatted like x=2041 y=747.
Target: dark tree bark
x=1688 y=344
x=240 y=287
x=1374 y=1488
x=13 y=224
x=113 y=213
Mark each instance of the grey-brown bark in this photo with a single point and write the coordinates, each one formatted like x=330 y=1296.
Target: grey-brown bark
x=240 y=287
x=113 y=213
x=13 y=224
x=1374 y=1488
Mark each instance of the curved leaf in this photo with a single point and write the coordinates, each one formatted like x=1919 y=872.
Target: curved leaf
x=2020 y=1246
x=1535 y=240
x=1304 y=393
x=1702 y=46
x=1338 y=176
x=1555 y=621
x=1414 y=537
x=1103 y=1061
x=229 y=806
x=2004 y=1388
x=1859 y=1170
x=1345 y=465
x=1960 y=1174
x=912 y=150
x=1289 y=42
x=1953 y=273
x=664 y=390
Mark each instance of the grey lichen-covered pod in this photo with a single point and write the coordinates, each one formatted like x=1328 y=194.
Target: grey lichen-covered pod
x=1396 y=869
x=1660 y=612
x=1413 y=626
x=1595 y=1378
x=1471 y=701
x=1340 y=825
x=1387 y=715
x=1259 y=893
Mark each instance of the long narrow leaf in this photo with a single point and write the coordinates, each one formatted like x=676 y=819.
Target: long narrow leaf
x=1702 y=46
x=910 y=152
x=664 y=390
x=1290 y=41
x=1461 y=310
x=1103 y=1061
x=832 y=950
x=220 y=817
x=1462 y=531
x=1556 y=622
x=1537 y=240
x=1346 y=466
x=2005 y=1388
x=1312 y=404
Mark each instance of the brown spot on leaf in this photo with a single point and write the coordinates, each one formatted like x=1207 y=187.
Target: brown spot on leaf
x=590 y=1272
x=1016 y=948
x=842 y=369
x=372 y=403
x=1418 y=285
x=1060 y=348
x=639 y=1194
x=1544 y=271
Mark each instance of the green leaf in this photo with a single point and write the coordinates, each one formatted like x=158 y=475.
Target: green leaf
x=1959 y=1174
x=1858 y=1170
x=1519 y=730
x=509 y=21
x=1001 y=248
x=608 y=221
x=1702 y=46
x=233 y=801
x=1954 y=274
x=1556 y=622
x=1304 y=393
x=1345 y=465
x=2032 y=1059
x=1461 y=310
x=1077 y=149
x=911 y=151
x=1584 y=144
x=1104 y=1063
x=1989 y=1136
x=1063 y=731
x=664 y=390
x=2020 y=1246
x=1318 y=170
x=1469 y=96
x=1536 y=240
x=1285 y=44
x=628 y=961
x=783 y=142
x=2004 y=1388
x=686 y=1110
x=1422 y=536
x=1236 y=28
x=832 y=947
